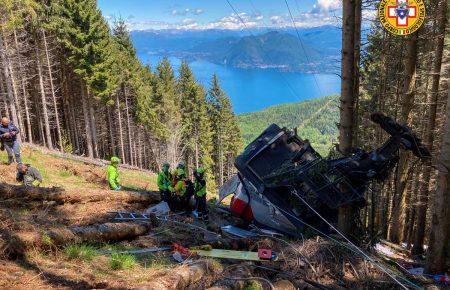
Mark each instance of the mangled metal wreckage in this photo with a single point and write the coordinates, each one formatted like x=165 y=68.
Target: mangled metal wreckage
x=278 y=173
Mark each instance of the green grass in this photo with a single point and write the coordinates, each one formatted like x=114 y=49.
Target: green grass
x=65 y=173
x=253 y=285
x=81 y=252
x=122 y=261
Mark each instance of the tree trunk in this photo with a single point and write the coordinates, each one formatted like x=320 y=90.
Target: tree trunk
x=111 y=131
x=9 y=86
x=52 y=89
x=24 y=93
x=88 y=131
x=440 y=225
x=48 y=134
x=93 y=125
x=130 y=147
x=346 y=222
x=430 y=129
x=403 y=170
x=119 y=121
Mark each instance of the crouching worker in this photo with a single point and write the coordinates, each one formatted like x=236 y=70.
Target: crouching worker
x=183 y=191
x=28 y=175
x=200 y=193
x=112 y=172
x=164 y=183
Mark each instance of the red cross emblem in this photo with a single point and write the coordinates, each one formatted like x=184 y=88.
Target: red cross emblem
x=402 y=13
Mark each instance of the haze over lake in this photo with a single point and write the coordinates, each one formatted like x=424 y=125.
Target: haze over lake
x=254 y=89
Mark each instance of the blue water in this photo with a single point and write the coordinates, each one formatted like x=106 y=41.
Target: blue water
x=255 y=89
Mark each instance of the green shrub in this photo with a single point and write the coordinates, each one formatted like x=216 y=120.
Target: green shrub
x=122 y=261
x=82 y=252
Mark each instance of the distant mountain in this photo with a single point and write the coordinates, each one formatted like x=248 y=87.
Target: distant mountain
x=315 y=119
x=273 y=49
x=249 y=49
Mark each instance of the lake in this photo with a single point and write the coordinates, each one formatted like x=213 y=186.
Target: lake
x=255 y=89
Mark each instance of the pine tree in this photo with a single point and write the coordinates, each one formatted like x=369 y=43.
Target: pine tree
x=226 y=133
x=195 y=123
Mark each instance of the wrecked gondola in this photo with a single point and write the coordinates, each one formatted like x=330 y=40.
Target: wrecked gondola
x=283 y=184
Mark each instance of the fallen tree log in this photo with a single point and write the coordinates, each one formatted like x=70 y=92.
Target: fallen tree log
x=108 y=232
x=59 y=195
x=21 y=242
x=8 y=191
x=196 y=274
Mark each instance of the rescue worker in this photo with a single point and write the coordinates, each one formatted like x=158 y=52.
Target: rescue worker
x=183 y=191
x=8 y=138
x=180 y=165
x=200 y=193
x=28 y=175
x=112 y=172
x=164 y=182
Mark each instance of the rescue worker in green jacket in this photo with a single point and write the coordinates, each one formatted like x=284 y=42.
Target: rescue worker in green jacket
x=200 y=193
x=112 y=172
x=28 y=175
x=164 y=182
x=183 y=191
x=180 y=165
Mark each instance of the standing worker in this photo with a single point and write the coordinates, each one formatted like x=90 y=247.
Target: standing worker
x=8 y=138
x=200 y=193
x=112 y=172
x=164 y=182
x=28 y=175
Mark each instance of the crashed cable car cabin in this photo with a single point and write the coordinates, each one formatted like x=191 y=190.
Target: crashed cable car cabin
x=280 y=176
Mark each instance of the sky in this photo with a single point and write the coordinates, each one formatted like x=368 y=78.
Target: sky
x=217 y=14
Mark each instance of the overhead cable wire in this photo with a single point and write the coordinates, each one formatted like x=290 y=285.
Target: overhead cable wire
x=238 y=15
x=302 y=46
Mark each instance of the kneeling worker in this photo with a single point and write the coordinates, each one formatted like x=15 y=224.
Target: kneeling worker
x=164 y=182
x=112 y=172
x=28 y=175
x=200 y=193
x=183 y=192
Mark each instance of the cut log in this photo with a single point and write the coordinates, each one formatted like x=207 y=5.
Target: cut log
x=15 y=192
x=18 y=243
x=183 y=277
x=8 y=191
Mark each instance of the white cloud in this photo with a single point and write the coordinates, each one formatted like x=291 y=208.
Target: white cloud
x=186 y=11
x=234 y=22
x=329 y=4
x=198 y=11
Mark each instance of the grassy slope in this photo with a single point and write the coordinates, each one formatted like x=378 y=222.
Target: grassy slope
x=59 y=268
x=316 y=120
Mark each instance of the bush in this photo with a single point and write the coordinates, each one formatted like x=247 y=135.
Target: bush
x=122 y=261
x=82 y=252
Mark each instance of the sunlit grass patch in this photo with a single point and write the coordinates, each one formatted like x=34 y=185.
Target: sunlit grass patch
x=65 y=173
x=122 y=261
x=81 y=252
x=253 y=285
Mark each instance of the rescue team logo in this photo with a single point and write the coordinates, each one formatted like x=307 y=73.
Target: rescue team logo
x=401 y=17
